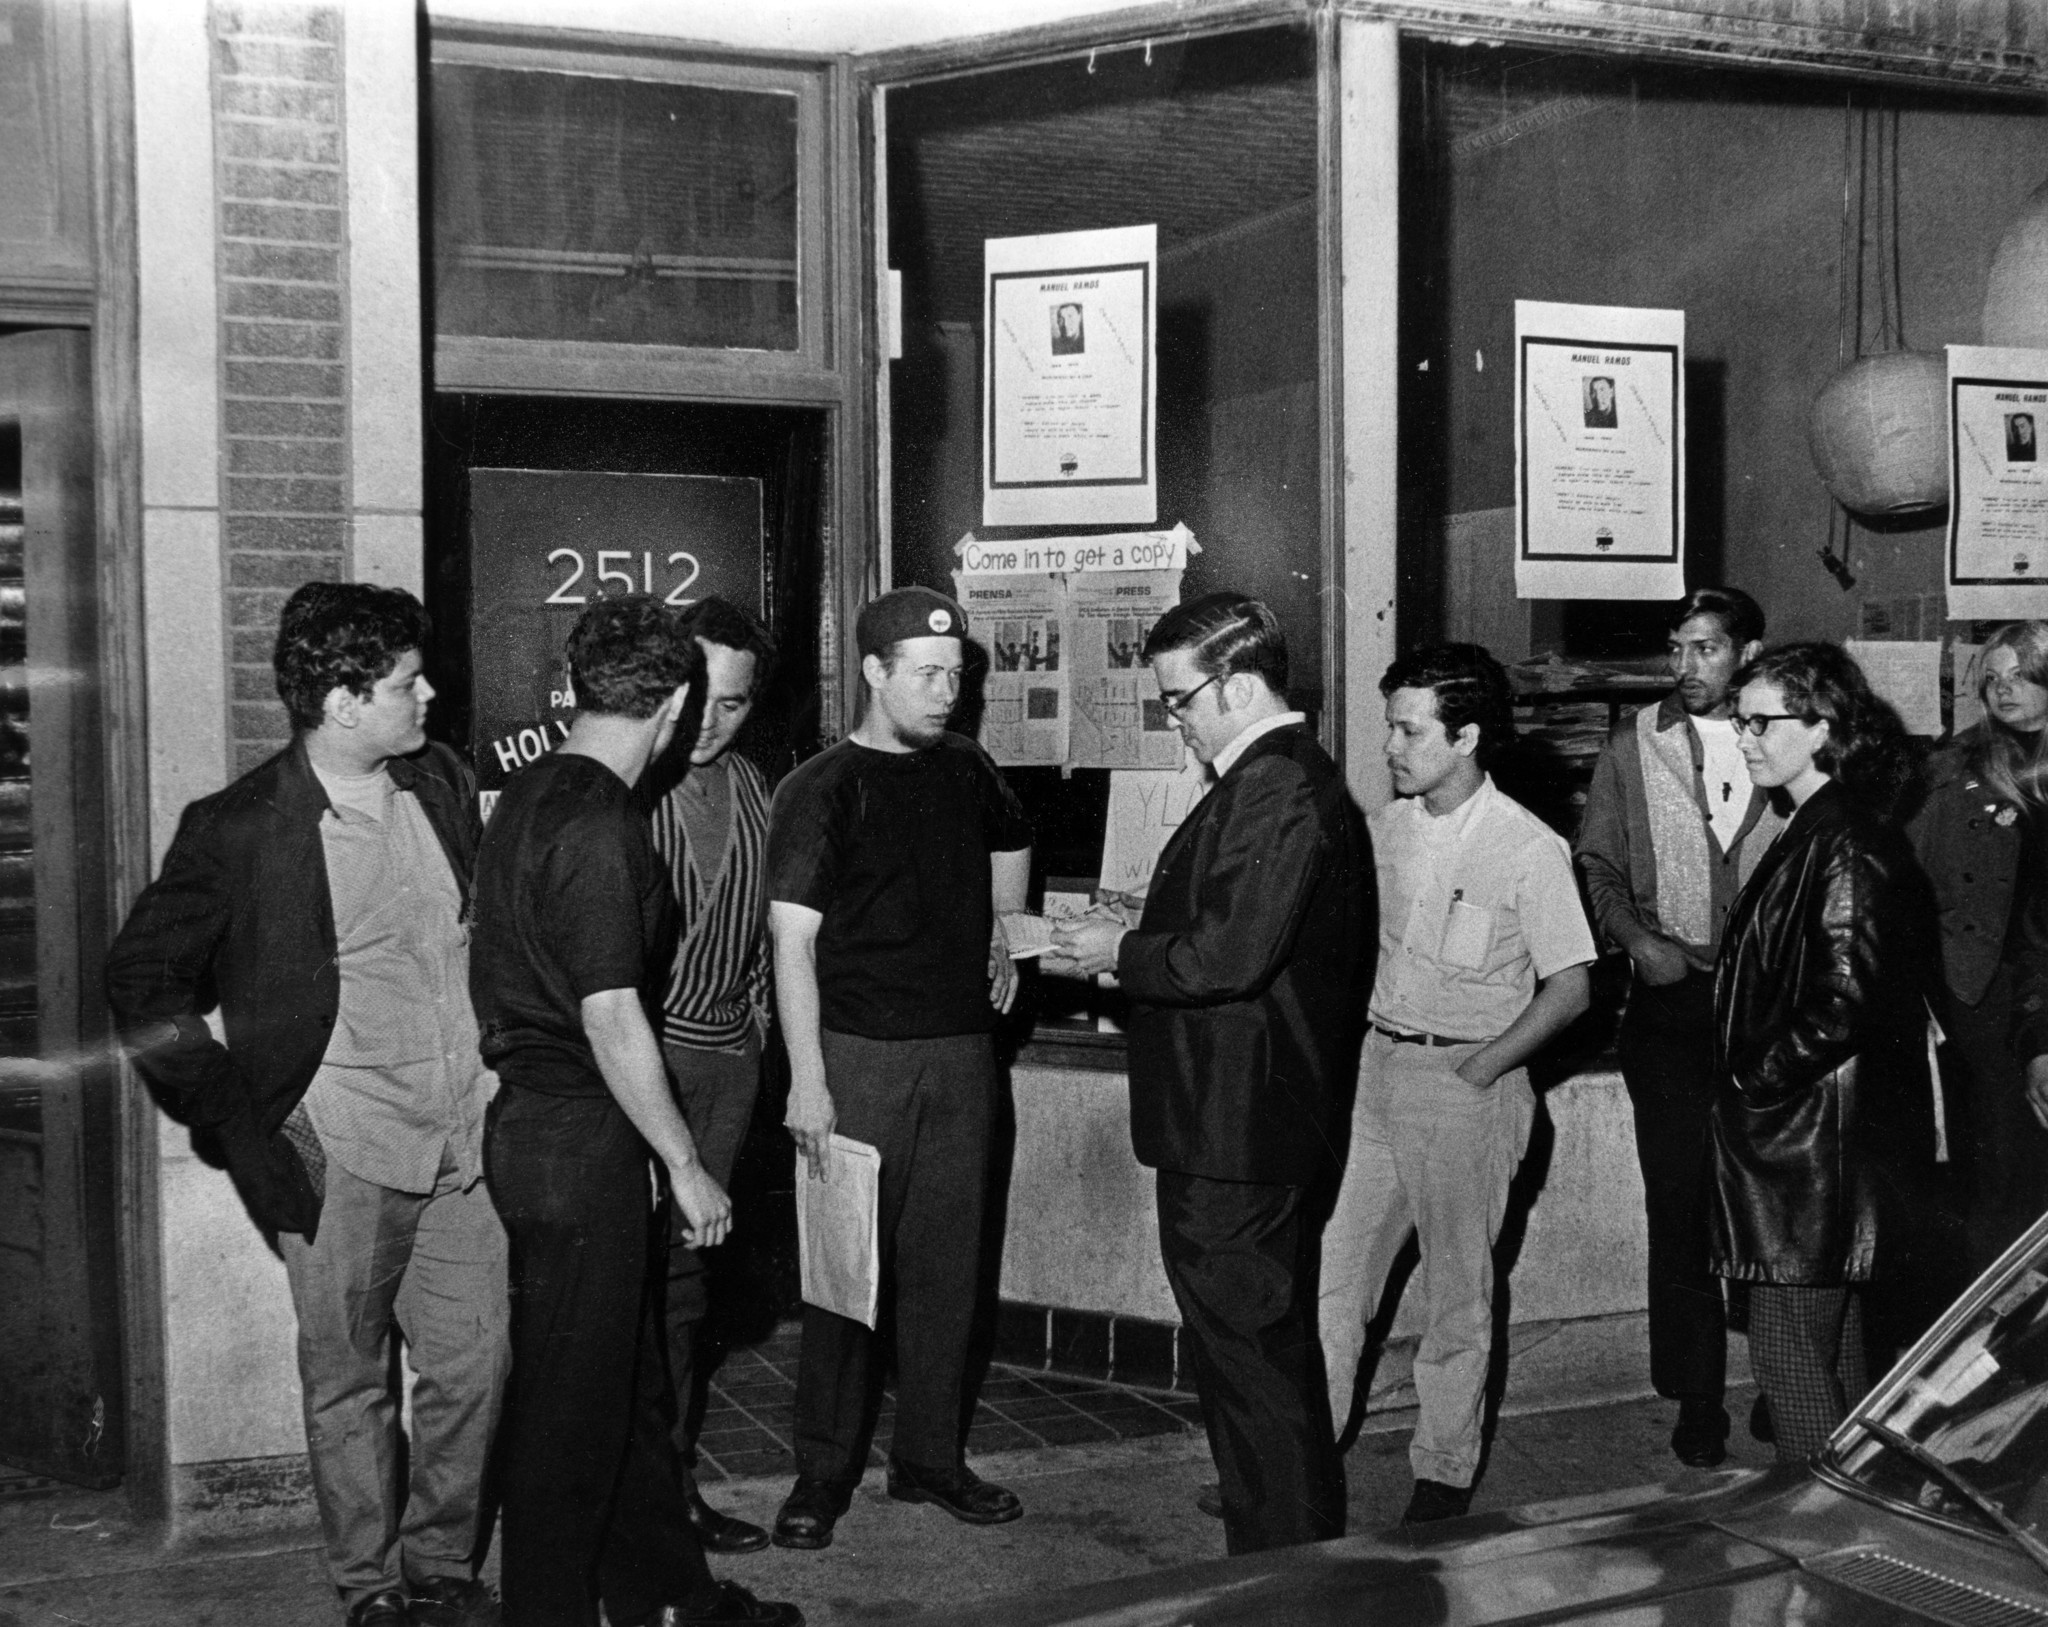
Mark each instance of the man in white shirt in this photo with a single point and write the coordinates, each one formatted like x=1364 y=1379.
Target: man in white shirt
x=1673 y=826
x=1482 y=960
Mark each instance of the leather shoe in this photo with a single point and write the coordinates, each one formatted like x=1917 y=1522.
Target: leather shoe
x=451 y=1601
x=809 y=1512
x=960 y=1492
x=1210 y=1500
x=1436 y=1500
x=721 y=1533
x=1761 y=1426
x=732 y=1607
x=1700 y=1440
x=384 y=1608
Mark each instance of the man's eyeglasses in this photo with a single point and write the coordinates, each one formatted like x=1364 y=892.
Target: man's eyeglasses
x=1177 y=705
x=1756 y=722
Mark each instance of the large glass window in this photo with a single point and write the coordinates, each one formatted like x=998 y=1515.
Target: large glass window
x=1214 y=142
x=629 y=211
x=625 y=222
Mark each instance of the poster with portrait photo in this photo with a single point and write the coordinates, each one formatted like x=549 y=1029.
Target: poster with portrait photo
x=1599 y=452
x=1998 y=506
x=1070 y=382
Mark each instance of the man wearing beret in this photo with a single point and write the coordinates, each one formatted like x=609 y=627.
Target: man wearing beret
x=891 y=857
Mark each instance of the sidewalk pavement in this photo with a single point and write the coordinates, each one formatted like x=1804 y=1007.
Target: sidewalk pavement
x=1117 y=1502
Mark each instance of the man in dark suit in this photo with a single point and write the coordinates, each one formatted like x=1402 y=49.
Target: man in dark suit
x=1246 y=974
x=321 y=901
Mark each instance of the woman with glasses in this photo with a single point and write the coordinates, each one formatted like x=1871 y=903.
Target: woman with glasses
x=1985 y=790
x=1819 y=1032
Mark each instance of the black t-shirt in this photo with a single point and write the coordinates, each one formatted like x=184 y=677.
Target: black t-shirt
x=891 y=848
x=570 y=901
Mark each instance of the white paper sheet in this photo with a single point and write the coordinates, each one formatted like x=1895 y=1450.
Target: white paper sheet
x=1026 y=700
x=1967 y=705
x=1069 y=418
x=1119 y=720
x=1599 y=452
x=1997 y=562
x=838 y=1231
x=1906 y=672
x=1166 y=550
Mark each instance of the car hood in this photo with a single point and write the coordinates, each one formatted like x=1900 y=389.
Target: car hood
x=1704 y=1551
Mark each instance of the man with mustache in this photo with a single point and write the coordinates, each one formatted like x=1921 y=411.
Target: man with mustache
x=1672 y=828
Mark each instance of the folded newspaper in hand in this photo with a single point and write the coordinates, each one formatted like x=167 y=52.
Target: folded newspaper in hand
x=838 y=1230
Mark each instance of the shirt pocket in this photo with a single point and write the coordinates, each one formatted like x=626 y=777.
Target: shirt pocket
x=1468 y=935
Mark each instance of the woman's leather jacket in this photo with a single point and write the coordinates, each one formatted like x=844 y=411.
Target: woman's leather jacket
x=1820 y=1047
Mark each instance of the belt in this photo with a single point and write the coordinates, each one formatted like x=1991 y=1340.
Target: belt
x=1400 y=1038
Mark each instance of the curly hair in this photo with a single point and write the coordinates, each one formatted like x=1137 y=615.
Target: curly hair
x=1470 y=687
x=628 y=654
x=342 y=635
x=1226 y=633
x=2015 y=765
x=1867 y=747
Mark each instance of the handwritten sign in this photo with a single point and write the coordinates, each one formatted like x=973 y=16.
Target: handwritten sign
x=1118 y=551
x=1146 y=806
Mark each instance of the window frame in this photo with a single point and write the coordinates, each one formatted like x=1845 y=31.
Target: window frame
x=808 y=375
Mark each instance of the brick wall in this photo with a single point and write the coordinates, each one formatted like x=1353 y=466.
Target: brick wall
x=279 y=153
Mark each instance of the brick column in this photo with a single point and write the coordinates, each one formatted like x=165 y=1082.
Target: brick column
x=283 y=188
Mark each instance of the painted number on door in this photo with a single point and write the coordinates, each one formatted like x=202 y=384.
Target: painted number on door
x=615 y=565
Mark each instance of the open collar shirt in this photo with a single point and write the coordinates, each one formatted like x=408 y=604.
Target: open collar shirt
x=401 y=1090
x=1476 y=907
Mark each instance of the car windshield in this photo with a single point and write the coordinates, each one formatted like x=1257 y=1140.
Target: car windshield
x=1974 y=1399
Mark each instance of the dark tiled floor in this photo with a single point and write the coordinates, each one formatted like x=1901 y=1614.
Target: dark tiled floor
x=747 y=1415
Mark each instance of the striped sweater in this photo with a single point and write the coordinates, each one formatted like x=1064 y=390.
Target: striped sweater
x=718 y=987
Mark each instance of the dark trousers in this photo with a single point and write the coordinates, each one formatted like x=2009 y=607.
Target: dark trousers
x=591 y=1503
x=1240 y=1259
x=716 y=1091
x=1667 y=1059
x=926 y=1105
x=1998 y=1146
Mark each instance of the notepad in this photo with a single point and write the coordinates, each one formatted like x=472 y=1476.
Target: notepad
x=1027 y=934
x=838 y=1231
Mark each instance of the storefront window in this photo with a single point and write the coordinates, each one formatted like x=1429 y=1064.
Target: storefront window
x=1214 y=142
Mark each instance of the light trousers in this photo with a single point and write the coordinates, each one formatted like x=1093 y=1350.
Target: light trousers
x=1432 y=1155
x=433 y=1268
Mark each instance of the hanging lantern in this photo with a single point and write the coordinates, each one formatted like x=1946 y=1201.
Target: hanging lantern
x=2016 y=296
x=1879 y=433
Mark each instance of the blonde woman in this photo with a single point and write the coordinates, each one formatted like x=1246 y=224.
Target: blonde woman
x=1985 y=789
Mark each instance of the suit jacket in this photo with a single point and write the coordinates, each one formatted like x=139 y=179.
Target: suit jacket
x=1249 y=971
x=241 y=918
x=1968 y=840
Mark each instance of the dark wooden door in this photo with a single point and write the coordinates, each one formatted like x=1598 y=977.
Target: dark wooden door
x=59 y=1348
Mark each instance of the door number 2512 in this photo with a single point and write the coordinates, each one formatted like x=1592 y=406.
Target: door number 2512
x=616 y=565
